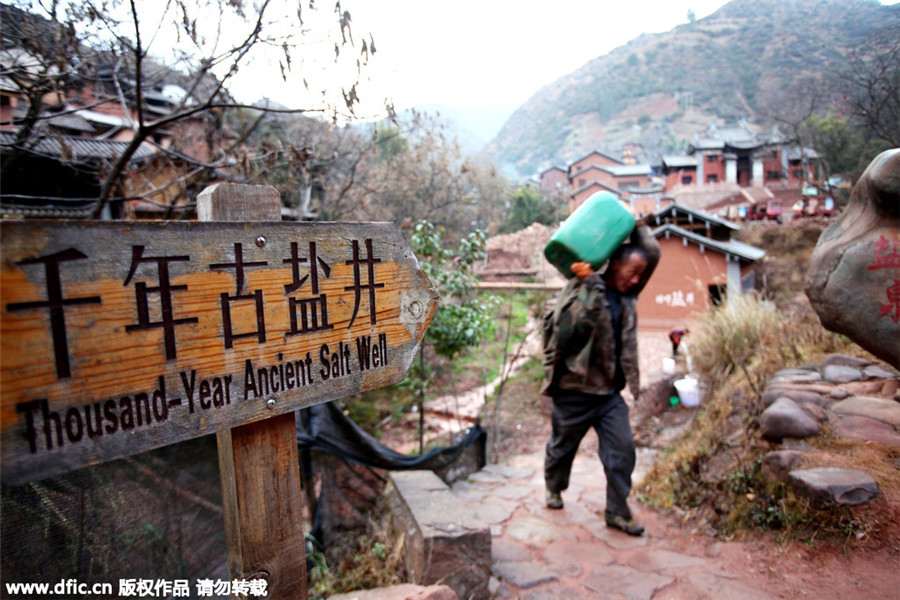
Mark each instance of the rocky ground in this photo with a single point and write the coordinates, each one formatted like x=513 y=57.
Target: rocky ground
x=543 y=554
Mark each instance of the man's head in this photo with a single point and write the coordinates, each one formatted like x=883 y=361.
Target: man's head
x=626 y=266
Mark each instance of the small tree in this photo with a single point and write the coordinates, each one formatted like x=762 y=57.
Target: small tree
x=464 y=318
x=118 y=51
x=871 y=88
x=527 y=207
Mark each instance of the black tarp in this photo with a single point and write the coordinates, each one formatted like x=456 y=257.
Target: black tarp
x=349 y=483
x=326 y=428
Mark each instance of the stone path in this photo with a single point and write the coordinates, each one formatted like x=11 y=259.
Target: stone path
x=569 y=554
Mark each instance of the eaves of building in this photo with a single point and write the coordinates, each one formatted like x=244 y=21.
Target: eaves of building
x=76 y=149
x=673 y=209
x=730 y=248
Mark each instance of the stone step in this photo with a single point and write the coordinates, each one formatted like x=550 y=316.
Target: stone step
x=445 y=541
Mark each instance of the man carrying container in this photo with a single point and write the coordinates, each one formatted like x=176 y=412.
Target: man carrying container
x=590 y=354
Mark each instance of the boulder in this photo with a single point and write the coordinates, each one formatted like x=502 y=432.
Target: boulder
x=815 y=411
x=871 y=387
x=855 y=427
x=796 y=376
x=843 y=359
x=852 y=275
x=785 y=419
x=838 y=393
x=841 y=374
x=834 y=486
x=874 y=371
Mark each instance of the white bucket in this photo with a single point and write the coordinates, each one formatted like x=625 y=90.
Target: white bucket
x=668 y=366
x=688 y=391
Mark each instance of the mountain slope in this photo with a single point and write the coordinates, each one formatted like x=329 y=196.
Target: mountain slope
x=660 y=88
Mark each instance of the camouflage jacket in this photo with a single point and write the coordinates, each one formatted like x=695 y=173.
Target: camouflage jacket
x=579 y=344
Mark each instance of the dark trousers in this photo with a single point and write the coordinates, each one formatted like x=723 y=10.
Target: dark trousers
x=573 y=414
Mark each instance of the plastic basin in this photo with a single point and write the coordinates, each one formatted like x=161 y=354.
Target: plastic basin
x=688 y=391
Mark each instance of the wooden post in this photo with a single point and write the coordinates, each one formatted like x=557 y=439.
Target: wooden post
x=258 y=462
x=117 y=338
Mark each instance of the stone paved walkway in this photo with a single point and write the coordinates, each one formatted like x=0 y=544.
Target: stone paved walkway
x=569 y=554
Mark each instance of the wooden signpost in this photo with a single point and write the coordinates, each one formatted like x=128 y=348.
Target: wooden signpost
x=117 y=338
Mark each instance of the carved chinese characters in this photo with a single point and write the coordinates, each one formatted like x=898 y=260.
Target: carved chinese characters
x=853 y=280
x=117 y=338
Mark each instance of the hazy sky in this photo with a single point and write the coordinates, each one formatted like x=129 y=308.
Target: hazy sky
x=487 y=52
x=492 y=54
x=484 y=53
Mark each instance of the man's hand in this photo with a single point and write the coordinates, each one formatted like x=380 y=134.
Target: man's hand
x=582 y=270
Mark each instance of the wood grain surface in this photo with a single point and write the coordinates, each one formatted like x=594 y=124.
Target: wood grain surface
x=116 y=338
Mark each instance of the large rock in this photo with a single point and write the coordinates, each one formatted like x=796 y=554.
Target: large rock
x=841 y=374
x=834 y=486
x=854 y=272
x=798 y=394
x=785 y=419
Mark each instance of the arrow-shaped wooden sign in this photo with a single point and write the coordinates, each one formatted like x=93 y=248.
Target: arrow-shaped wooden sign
x=116 y=338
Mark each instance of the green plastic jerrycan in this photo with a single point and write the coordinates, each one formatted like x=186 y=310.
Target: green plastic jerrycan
x=590 y=234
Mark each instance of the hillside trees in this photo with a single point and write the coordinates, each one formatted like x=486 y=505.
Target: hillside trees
x=403 y=170
x=426 y=177
x=849 y=114
x=871 y=89
x=118 y=49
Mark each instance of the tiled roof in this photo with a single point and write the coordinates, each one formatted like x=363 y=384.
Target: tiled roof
x=597 y=184
x=674 y=208
x=733 y=200
x=794 y=153
x=627 y=170
x=76 y=148
x=70 y=121
x=603 y=154
x=707 y=144
x=678 y=161
x=57 y=209
x=553 y=168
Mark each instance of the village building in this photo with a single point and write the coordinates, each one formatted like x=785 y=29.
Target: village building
x=729 y=159
x=74 y=135
x=631 y=182
x=757 y=173
x=700 y=265
x=553 y=179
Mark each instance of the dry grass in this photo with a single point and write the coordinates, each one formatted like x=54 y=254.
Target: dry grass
x=712 y=473
x=375 y=562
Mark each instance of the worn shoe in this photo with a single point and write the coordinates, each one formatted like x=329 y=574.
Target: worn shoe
x=629 y=526
x=554 y=500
